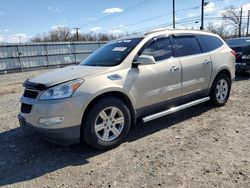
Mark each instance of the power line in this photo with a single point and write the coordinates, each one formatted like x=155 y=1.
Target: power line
x=159 y=16
x=166 y=24
x=183 y=21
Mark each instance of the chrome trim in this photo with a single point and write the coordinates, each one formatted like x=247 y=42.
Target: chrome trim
x=174 y=109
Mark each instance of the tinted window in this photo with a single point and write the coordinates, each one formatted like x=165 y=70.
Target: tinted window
x=187 y=46
x=209 y=43
x=239 y=42
x=112 y=53
x=159 y=48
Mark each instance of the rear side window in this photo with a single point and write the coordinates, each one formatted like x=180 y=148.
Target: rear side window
x=209 y=43
x=160 y=49
x=187 y=45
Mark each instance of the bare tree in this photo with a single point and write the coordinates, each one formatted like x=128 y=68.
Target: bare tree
x=64 y=34
x=53 y=36
x=60 y=34
x=232 y=15
x=221 y=30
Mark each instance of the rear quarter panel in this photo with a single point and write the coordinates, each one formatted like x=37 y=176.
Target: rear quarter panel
x=222 y=59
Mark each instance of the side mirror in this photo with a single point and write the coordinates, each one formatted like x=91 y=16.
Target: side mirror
x=145 y=60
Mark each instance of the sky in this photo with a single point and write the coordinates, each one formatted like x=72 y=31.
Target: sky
x=24 y=19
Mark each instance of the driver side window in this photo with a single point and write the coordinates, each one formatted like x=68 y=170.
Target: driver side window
x=159 y=48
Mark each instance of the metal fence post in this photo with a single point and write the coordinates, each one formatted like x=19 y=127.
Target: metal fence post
x=19 y=58
x=46 y=53
x=74 y=48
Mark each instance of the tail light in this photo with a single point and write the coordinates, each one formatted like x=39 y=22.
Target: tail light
x=234 y=53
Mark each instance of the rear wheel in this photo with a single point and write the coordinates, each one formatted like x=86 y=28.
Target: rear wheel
x=107 y=123
x=220 y=90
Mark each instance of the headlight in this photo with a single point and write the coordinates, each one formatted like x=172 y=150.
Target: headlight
x=61 y=91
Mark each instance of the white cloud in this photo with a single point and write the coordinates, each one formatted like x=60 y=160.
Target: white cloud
x=112 y=10
x=88 y=19
x=4 y=30
x=15 y=38
x=245 y=9
x=54 y=9
x=210 y=8
x=115 y=31
x=54 y=27
x=191 y=15
x=96 y=29
x=20 y=37
x=120 y=27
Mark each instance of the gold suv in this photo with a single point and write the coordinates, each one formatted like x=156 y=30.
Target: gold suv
x=146 y=76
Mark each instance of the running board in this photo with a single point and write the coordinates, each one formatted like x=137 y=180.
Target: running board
x=174 y=109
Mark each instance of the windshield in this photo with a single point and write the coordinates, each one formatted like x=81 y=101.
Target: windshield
x=112 y=53
x=238 y=42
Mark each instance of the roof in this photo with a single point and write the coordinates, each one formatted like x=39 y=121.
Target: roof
x=176 y=31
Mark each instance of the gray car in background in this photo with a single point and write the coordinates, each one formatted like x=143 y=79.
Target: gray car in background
x=139 y=77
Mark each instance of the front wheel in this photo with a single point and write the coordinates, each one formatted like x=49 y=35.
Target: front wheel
x=107 y=123
x=220 y=90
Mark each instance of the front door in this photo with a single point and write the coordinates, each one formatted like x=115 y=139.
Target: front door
x=160 y=82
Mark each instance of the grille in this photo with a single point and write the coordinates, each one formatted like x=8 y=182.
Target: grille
x=26 y=108
x=30 y=94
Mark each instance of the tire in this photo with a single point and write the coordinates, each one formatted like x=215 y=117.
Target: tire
x=220 y=90
x=101 y=129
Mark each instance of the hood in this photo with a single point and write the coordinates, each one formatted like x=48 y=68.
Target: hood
x=65 y=74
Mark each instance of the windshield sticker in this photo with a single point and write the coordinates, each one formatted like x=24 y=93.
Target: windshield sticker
x=119 y=49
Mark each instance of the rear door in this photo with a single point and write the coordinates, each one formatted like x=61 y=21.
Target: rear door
x=196 y=66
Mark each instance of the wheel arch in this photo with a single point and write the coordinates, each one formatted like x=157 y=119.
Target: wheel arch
x=223 y=70
x=116 y=94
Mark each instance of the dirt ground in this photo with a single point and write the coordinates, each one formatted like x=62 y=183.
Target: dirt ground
x=198 y=147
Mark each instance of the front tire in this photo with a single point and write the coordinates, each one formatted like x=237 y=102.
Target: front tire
x=107 y=123
x=220 y=90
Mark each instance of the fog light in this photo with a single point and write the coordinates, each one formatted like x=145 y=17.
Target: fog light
x=51 y=121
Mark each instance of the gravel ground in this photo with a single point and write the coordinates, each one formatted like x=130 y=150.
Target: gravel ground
x=198 y=147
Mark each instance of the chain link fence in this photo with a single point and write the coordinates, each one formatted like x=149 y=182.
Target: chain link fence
x=20 y=57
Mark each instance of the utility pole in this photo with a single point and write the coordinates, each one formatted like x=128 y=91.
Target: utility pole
x=173 y=14
x=202 y=14
x=240 y=22
x=248 y=21
x=77 y=33
x=20 y=39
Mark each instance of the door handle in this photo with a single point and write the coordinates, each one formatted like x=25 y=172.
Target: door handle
x=174 y=68
x=206 y=62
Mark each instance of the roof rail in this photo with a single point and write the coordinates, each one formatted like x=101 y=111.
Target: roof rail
x=156 y=30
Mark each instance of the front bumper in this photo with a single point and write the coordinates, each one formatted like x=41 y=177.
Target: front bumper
x=242 y=66
x=69 y=110
x=61 y=136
